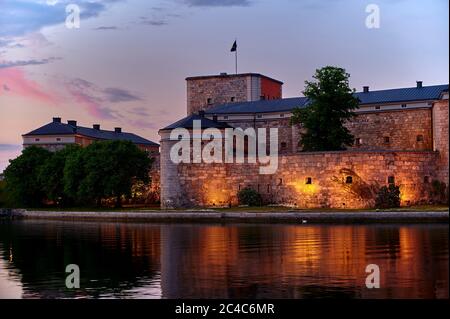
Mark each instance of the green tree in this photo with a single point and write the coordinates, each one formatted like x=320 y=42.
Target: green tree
x=104 y=170
x=23 y=185
x=51 y=175
x=331 y=104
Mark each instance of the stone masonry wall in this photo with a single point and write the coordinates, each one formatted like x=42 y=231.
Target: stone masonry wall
x=406 y=130
x=218 y=184
x=403 y=129
x=219 y=89
x=441 y=138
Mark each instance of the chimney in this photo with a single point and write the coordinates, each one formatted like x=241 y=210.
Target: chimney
x=72 y=123
x=118 y=130
x=201 y=113
x=96 y=127
x=419 y=84
x=56 y=120
x=365 y=89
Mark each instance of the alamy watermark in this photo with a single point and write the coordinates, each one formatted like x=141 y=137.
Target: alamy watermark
x=73 y=279
x=236 y=144
x=373 y=19
x=373 y=279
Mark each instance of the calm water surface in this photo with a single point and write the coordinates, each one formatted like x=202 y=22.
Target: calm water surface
x=127 y=260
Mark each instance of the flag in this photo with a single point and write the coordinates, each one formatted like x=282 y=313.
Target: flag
x=234 y=47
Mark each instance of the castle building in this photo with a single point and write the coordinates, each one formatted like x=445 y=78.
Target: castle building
x=56 y=135
x=401 y=137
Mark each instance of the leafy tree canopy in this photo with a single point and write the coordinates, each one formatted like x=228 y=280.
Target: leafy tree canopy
x=331 y=104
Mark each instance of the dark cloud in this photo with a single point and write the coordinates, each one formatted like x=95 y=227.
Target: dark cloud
x=217 y=3
x=106 y=28
x=10 y=64
x=140 y=111
x=21 y=17
x=116 y=95
x=153 y=22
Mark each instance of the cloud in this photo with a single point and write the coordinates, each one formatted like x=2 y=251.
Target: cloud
x=140 y=111
x=10 y=64
x=116 y=95
x=96 y=100
x=16 y=83
x=106 y=28
x=24 y=16
x=152 y=21
x=217 y=3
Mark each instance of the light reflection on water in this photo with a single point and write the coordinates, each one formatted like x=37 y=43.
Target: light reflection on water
x=128 y=260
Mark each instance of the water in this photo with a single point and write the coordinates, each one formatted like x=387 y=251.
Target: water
x=129 y=260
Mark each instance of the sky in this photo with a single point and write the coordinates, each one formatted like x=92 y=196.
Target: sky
x=126 y=64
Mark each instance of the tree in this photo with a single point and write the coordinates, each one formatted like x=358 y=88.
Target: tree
x=51 y=174
x=23 y=185
x=388 y=197
x=104 y=170
x=331 y=104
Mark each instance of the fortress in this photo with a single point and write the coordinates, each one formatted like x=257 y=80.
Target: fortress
x=401 y=138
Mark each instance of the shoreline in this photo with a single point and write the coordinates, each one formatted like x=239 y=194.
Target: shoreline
x=236 y=216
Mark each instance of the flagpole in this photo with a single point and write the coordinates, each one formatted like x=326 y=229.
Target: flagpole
x=235 y=54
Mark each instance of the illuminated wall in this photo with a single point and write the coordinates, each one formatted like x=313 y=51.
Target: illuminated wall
x=347 y=179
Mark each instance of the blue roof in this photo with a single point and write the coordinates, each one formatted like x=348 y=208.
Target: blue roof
x=188 y=123
x=424 y=93
x=57 y=128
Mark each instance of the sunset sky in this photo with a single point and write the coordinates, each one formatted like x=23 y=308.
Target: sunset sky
x=126 y=64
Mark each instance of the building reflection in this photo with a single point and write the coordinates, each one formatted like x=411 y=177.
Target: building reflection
x=130 y=260
x=303 y=261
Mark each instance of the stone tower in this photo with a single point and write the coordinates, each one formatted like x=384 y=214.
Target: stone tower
x=204 y=92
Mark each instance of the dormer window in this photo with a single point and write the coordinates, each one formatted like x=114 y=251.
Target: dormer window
x=232 y=99
x=209 y=101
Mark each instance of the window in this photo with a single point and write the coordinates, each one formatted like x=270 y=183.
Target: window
x=268 y=188
x=308 y=181
x=426 y=179
x=281 y=115
x=419 y=138
x=232 y=99
x=225 y=117
x=357 y=141
x=259 y=116
x=239 y=187
x=262 y=97
x=180 y=137
x=391 y=180
x=283 y=145
x=348 y=180
x=58 y=139
x=180 y=152
x=403 y=105
x=37 y=140
x=209 y=101
x=280 y=181
x=377 y=107
x=386 y=140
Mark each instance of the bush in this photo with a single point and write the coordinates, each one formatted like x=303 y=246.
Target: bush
x=250 y=197
x=388 y=197
x=439 y=192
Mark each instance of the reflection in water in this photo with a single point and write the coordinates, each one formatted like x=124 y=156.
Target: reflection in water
x=125 y=260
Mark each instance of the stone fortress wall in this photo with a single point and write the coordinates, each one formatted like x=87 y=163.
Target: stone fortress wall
x=408 y=147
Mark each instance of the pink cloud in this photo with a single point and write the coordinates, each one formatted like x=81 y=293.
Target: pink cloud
x=84 y=93
x=13 y=81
